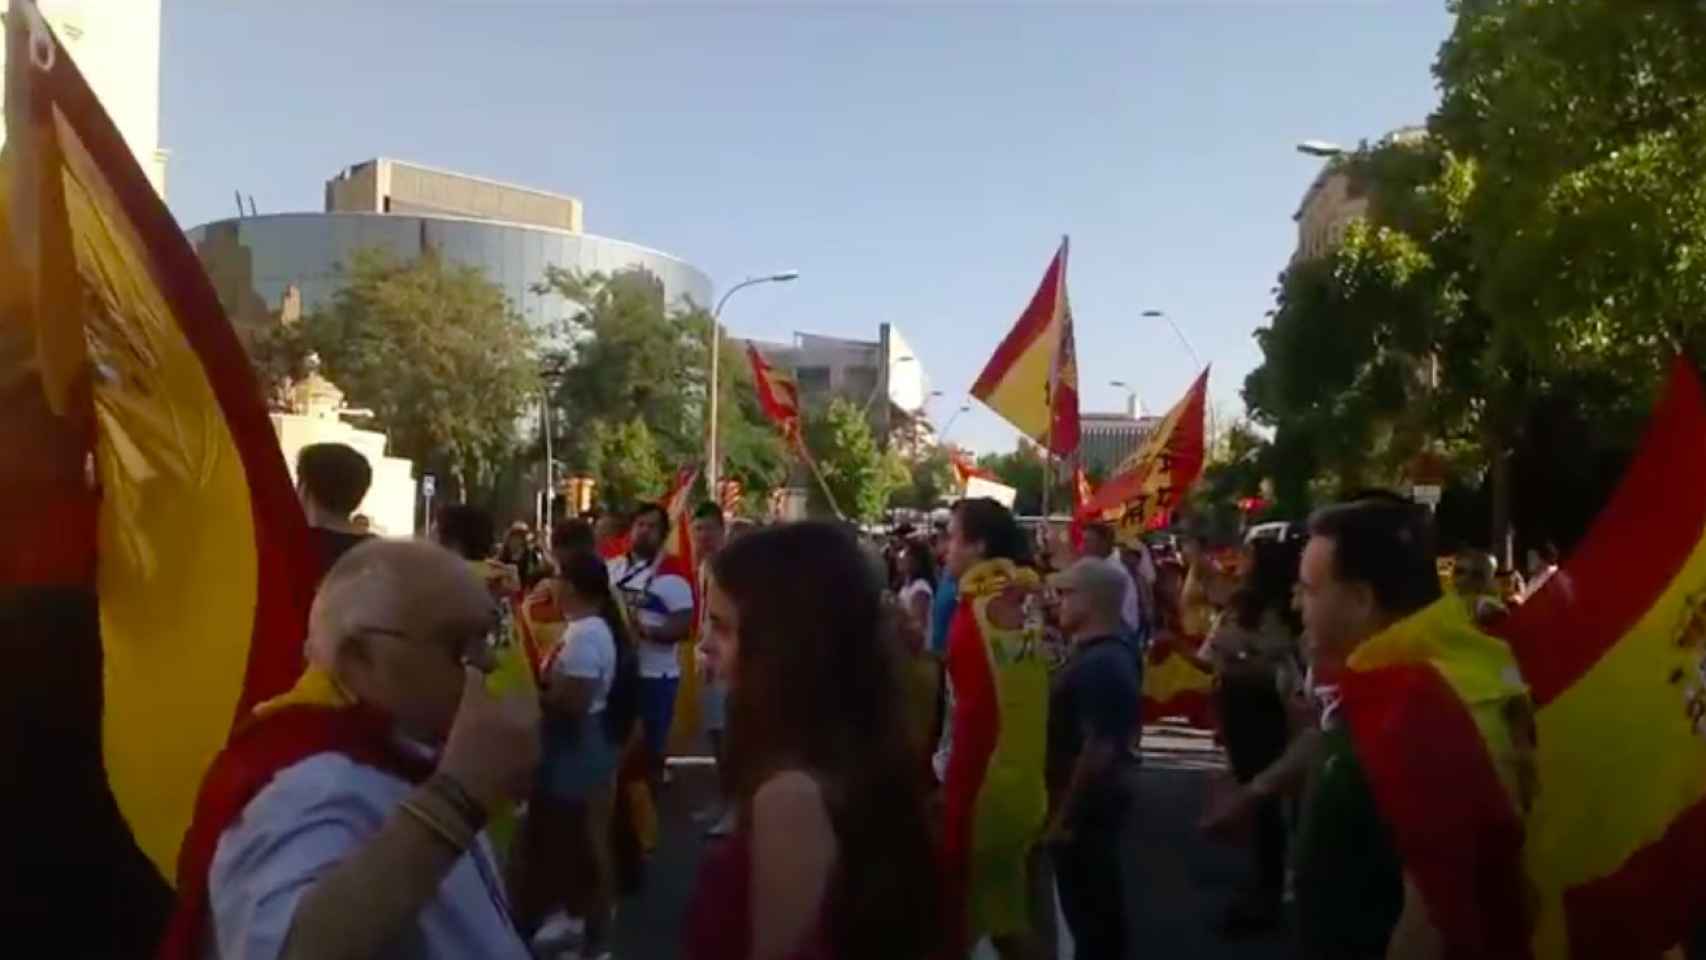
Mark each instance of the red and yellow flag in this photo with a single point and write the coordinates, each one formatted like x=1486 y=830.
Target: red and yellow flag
x=778 y=395
x=965 y=469
x=1614 y=650
x=155 y=564
x=1032 y=380
x=1441 y=724
x=1144 y=490
x=678 y=558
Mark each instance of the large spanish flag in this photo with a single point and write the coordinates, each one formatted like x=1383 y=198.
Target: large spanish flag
x=1441 y=723
x=778 y=395
x=155 y=568
x=1142 y=493
x=1032 y=380
x=1612 y=648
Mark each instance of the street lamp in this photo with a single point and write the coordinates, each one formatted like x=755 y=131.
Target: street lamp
x=1134 y=403
x=712 y=464
x=942 y=438
x=1162 y=315
x=1321 y=148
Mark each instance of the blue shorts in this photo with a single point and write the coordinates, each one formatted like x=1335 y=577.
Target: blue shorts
x=657 y=711
x=577 y=760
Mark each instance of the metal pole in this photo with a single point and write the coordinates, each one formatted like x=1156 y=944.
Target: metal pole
x=550 y=461
x=713 y=465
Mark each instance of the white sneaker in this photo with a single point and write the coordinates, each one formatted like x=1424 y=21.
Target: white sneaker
x=723 y=827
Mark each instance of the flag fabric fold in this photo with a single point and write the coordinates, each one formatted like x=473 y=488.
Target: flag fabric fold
x=1441 y=723
x=135 y=422
x=778 y=395
x=1032 y=379
x=1145 y=489
x=1614 y=649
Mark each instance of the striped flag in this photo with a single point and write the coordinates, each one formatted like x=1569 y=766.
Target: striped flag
x=1613 y=648
x=155 y=563
x=1032 y=379
x=1143 y=492
x=778 y=395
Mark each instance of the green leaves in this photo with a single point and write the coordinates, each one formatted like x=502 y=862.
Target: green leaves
x=857 y=472
x=435 y=351
x=626 y=358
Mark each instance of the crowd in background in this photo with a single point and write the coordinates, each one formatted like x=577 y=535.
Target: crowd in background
x=921 y=739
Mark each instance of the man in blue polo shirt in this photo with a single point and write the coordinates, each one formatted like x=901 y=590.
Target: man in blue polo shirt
x=1094 y=712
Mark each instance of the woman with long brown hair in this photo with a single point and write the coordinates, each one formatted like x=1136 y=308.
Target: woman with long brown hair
x=832 y=856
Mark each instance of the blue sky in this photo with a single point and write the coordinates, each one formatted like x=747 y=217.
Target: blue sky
x=917 y=163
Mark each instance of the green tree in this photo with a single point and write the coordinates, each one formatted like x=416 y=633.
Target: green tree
x=626 y=461
x=1024 y=469
x=436 y=352
x=929 y=480
x=626 y=355
x=859 y=475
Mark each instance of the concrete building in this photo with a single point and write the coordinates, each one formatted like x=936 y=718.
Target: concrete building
x=116 y=46
x=883 y=376
x=1334 y=200
x=1107 y=439
x=391 y=186
x=511 y=233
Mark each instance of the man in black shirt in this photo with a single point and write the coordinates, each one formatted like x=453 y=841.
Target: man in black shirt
x=331 y=480
x=1094 y=711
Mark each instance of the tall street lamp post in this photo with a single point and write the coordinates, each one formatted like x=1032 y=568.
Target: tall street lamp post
x=712 y=463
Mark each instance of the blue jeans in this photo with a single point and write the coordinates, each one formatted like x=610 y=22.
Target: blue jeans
x=657 y=712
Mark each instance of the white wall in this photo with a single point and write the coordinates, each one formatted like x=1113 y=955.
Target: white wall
x=116 y=43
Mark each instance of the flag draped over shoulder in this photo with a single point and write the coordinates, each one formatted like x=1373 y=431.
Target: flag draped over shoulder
x=778 y=395
x=155 y=563
x=1612 y=647
x=1032 y=380
x=1142 y=493
x=1441 y=724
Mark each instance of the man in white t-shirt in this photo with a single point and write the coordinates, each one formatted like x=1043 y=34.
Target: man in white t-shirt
x=1099 y=544
x=658 y=592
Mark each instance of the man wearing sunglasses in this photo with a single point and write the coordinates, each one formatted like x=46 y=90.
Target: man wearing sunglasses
x=345 y=818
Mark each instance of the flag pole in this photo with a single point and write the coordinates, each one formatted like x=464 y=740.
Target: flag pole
x=1049 y=472
x=823 y=484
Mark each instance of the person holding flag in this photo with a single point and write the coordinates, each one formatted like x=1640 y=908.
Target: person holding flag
x=657 y=589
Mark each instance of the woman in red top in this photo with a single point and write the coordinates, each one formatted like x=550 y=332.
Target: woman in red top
x=832 y=856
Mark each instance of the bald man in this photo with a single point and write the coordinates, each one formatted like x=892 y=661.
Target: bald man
x=1095 y=707
x=345 y=818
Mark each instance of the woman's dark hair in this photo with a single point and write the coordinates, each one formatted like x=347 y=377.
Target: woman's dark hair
x=651 y=509
x=818 y=687
x=1268 y=585
x=920 y=562
x=985 y=521
x=589 y=578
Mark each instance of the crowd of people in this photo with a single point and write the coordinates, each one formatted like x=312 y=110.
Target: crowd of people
x=920 y=744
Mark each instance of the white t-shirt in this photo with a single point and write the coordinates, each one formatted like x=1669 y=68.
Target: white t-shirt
x=588 y=652
x=914 y=589
x=651 y=598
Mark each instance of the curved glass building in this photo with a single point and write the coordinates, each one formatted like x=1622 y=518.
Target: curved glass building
x=510 y=232
x=253 y=261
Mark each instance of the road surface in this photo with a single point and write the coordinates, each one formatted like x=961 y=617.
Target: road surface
x=1183 y=881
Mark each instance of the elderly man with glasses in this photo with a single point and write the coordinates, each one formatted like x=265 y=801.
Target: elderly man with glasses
x=345 y=818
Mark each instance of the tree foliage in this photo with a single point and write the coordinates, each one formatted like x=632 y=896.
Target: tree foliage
x=626 y=460
x=1024 y=469
x=434 y=350
x=859 y=474
x=929 y=481
x=626 y=357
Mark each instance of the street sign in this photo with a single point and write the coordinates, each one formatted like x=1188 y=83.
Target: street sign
x=429 y=485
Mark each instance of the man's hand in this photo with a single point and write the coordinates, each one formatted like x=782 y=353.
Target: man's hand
x=1231 y=806
x=493 y=747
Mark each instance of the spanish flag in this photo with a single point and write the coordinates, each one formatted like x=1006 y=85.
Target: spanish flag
x=1441 y=723
x=1613 y=648
x=155 y=564
x=1032 y=380
x=1143 y=492
x=1177 y=685
x=678 y=554
x=778 y=395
